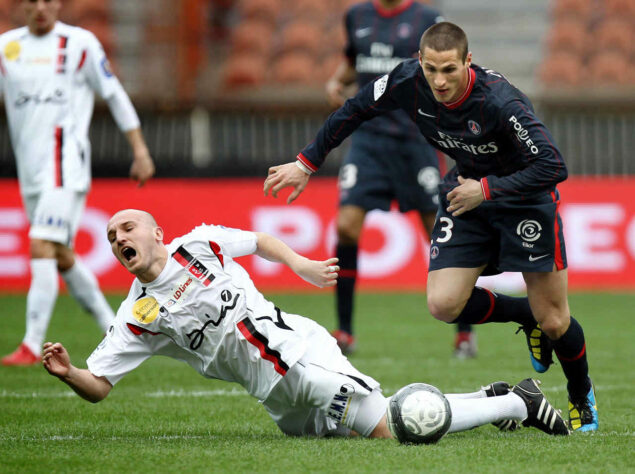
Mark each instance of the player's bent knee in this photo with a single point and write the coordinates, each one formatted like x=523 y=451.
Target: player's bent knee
x=555 y=327
x=444 y=309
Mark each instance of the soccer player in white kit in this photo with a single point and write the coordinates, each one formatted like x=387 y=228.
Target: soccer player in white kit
x=49 y=72
x=193 y=302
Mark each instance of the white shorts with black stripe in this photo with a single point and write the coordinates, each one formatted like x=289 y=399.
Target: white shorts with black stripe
x=323 y=394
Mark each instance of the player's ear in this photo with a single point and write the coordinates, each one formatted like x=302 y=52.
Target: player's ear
x=420 y=59
x=158 y=233
x=468 y=59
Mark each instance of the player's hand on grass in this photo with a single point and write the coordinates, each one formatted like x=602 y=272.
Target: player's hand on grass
x=142 y=168
x=283 y=176
x=56 y=360
x=319 y=273
x=465 y=197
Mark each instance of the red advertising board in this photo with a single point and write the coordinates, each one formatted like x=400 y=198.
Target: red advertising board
x=598 y=215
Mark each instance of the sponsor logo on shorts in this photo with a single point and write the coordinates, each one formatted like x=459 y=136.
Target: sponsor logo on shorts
x=434 y=252
x=533 y=259
x=338 y=410
x=145 y=310
x=529 y=231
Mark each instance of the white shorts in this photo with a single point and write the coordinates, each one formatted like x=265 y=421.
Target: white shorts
x=54 y=214
x=323 y=394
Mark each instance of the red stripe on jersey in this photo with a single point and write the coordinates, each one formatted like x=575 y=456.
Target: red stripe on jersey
x=443 y=167
x=390 y=12
x=63 y=41
x=180 y=258
x=216 y=249
x=137 y=331
x=492 y=303
x=471 y=78
x=566 y=359
x=303 y=159
x=82 y=60
x=558 y=260
x=487 y=194
x=57 y=160
x=261 y=342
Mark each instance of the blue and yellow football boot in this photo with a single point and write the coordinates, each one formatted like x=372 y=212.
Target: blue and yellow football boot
x=540 y=349
x=583 y=413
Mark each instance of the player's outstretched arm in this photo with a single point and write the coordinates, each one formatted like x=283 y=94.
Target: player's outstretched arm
x=283 y=176
x=142 y=168
x=57 y=362
x=319 y=273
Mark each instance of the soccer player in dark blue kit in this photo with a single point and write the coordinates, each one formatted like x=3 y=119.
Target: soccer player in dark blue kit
x=389 y=159
x=498 y=206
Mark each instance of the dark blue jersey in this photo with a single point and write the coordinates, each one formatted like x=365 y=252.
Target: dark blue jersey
x=377 y=40
x=491 y=132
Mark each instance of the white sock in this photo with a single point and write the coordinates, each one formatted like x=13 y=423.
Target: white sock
x=83 y=285
x=40 y=301
x=480 y=394
x=473 y=412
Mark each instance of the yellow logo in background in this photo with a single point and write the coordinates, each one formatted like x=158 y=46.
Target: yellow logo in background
x=145 y=310
x=12 y=50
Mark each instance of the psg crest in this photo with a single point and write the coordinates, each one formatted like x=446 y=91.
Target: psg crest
x=475 y=128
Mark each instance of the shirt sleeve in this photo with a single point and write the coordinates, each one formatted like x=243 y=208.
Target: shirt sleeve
x=233 y=242
x=97 y=69
x=374 y=99
x=532 y=141
x=120 y=352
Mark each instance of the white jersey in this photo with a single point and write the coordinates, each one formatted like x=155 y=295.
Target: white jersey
x=203 y=309
x=48 y=83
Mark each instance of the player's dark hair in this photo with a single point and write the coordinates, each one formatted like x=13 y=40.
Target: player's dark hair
x=445 y=36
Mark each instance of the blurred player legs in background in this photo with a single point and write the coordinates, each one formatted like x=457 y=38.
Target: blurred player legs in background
x=50 y=72
x=389 y=159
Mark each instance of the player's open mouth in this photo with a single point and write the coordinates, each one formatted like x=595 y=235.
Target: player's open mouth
x=128 y=253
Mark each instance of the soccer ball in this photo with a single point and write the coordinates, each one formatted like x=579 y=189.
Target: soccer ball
x=418 y=413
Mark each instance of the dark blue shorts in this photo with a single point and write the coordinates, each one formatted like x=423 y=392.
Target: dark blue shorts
x=507 y=236
x=380 y=169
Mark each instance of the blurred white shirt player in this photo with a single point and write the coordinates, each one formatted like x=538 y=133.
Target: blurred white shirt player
x=49 y=72
x=191 y=301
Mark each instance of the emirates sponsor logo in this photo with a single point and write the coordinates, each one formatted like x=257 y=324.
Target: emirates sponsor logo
x=449 y=142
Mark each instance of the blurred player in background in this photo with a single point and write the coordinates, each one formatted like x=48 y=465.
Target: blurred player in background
x=498 y=206
x=49 y=72
x=193 y=302
x=389 y=159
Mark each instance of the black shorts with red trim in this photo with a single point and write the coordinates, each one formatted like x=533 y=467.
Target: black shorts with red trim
x=516 y=236
x=380 y=169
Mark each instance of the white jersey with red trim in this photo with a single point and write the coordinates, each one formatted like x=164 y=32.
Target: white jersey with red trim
x=48 y=83
x=204 y=309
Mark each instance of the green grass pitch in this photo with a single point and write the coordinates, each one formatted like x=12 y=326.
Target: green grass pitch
x=164 y=417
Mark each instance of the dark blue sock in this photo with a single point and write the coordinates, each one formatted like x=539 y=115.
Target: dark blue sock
x=571 y=352
x=347 y=255
x=484 y=306
x=463 y=327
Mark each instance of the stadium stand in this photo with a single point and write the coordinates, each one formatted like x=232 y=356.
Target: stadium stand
x=596 y=35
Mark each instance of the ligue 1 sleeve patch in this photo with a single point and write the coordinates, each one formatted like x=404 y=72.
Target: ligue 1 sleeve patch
x=145 y=310
x=105 y=66
x=12 y=50
x=380 y=86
